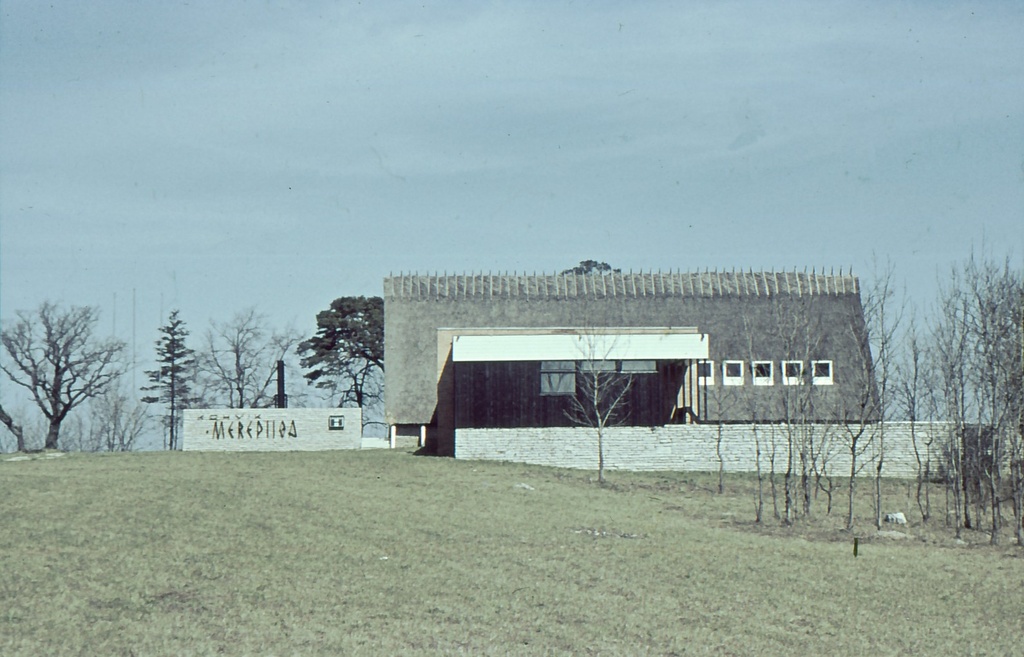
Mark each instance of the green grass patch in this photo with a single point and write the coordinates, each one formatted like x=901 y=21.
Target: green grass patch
x=379 y=552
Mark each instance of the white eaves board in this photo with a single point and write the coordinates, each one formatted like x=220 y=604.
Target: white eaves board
x=498 y=348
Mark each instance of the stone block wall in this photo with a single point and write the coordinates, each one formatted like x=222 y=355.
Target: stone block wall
x=272 y=429
x=703 y=448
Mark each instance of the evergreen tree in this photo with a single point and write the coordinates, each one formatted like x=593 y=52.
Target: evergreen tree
x=170 y=381
x=347 y=353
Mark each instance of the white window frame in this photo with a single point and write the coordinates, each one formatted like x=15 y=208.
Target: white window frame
x=709 y=378
x=788 y=380
x=732 y=380
x=762 y=380
x=823 y=380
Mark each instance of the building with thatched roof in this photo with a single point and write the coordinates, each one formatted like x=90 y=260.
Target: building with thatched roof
x=473 y=351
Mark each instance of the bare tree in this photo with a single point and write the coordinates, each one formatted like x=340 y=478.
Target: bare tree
x=950 y=337
x=759 y=495
x=756 y=410
x=916 y=400
x=117 y=421
x=239 y=360
x=723 y=399
x=883 y=315
x=601 y=394
x=1016 y=442
x=14 y=428
x=978 y=341
x=56 y=357
x=795 y=333
x=798 y=335
x=856 y=414
x=994 y=292
x=862 y=414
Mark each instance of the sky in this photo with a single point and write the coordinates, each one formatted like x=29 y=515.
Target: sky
x=212 y=156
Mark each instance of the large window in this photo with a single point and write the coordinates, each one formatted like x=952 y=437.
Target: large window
x=821 y=372
x=557 y=377
x=762 y=373
x=732 y=372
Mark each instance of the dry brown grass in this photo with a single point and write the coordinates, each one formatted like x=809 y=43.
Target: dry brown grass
x=371 y=553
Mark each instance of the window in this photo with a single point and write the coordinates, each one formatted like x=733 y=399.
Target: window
x=732 y=372
x=706 y=372
x=821 y=372
x=336 y=423
x=762 y=373
x=639 y=367
x=557 y=377
x=597 y=365
x=792 y=372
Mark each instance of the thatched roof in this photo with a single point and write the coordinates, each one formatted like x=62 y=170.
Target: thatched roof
x=709 y=284
x=747 y=316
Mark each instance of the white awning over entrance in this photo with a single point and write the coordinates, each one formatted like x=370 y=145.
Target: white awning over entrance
x=570 y=344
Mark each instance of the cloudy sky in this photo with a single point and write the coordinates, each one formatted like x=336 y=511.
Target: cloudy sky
x=210 y=156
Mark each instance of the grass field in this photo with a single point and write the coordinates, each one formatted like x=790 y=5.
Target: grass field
x=381 y=553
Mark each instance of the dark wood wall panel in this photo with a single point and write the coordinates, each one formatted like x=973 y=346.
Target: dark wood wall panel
x=507 y=394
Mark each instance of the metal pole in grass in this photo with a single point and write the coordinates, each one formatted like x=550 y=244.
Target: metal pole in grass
x=855 y=545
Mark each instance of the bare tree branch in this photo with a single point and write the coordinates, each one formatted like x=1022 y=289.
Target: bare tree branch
x=58 y=360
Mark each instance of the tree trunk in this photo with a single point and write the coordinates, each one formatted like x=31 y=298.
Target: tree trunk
x=955 y=479
x=721 y=462
x=853 y=485
x=922 y=473
x=994 y=484
x=19 y=433
x=759 y=505
x=878 y=477
x=805 y=481
x=52 y=435
x=1017 y=494
x=788 y=480
x=771 y=476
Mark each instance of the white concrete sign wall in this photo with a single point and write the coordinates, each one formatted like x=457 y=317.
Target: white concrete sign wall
x=272 y=429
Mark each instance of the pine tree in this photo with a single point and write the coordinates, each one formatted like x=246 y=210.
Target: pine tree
x=170 y=380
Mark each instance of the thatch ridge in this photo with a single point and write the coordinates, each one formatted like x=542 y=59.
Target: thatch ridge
x=708 y=284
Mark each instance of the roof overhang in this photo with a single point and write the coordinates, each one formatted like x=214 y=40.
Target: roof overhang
x=577 y=344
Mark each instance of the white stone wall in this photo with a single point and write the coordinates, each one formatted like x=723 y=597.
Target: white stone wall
x=271 y=429
x=700 y=448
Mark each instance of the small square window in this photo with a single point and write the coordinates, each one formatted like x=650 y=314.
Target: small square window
x=732 y=372
x=762 y=372
x=821 y=372
x=336 y=423
x=706 y=372
x=792 y=372
x=557 y=377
